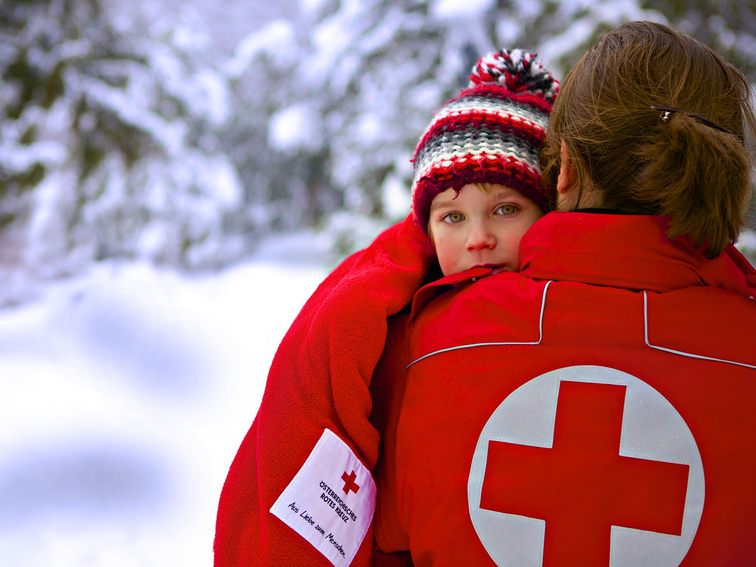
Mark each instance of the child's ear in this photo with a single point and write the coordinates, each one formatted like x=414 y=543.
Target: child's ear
x=567 y=177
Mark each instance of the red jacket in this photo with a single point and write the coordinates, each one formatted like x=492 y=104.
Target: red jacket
x=599 y=405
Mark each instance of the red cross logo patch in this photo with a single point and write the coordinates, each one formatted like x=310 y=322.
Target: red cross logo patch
x=586 y=465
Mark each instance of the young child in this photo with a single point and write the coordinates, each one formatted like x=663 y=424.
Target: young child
x=300 y=490
x=477 y=189
x=477 y=185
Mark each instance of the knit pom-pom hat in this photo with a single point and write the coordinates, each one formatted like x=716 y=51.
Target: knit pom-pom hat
x=491 y=132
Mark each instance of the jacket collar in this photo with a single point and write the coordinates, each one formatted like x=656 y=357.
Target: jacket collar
x=627 y=251
x=623 y=251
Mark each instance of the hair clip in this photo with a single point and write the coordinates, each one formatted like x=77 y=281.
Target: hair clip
x=667 y=110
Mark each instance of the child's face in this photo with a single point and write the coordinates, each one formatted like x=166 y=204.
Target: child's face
x=480 y=227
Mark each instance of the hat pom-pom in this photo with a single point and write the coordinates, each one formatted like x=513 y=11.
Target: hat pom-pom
x=518 y=70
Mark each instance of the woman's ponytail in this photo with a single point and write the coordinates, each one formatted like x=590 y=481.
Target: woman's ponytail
x=698 y=177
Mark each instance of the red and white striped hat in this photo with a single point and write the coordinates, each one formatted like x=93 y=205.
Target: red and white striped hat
x=491 y=132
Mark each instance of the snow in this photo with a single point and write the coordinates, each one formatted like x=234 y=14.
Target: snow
x=747 y=243
x=396 y=198
x=126 y=392
x=274 y=40
x=295 y=127
x=169 y=134
x=451 y=9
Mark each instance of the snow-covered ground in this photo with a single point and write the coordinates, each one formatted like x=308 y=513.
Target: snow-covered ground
x=125 y=394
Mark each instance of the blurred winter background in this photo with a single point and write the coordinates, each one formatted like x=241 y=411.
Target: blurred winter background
x=175 y=179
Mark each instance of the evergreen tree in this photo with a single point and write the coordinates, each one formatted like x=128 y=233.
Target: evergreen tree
x=125 y=135
x=372 y=73
x=108 y=141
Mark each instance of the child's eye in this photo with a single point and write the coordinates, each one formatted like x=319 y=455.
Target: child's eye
x=507 y=209
x=453 y=218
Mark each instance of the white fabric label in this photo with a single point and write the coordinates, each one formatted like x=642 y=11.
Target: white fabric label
x=331 y=500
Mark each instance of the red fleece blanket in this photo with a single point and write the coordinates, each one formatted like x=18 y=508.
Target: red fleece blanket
x=319 y=379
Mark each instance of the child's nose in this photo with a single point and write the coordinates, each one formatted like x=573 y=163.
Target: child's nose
x=480 y=238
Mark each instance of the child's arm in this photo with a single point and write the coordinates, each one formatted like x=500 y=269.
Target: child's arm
x=319 y=381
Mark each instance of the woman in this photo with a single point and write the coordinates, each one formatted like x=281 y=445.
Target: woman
x=598 y=406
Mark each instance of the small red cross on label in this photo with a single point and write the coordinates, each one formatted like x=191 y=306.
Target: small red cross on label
x=349 y=482
x=582 y=486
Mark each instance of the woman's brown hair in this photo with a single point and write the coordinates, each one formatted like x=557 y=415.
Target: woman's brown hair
x=689 y=162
